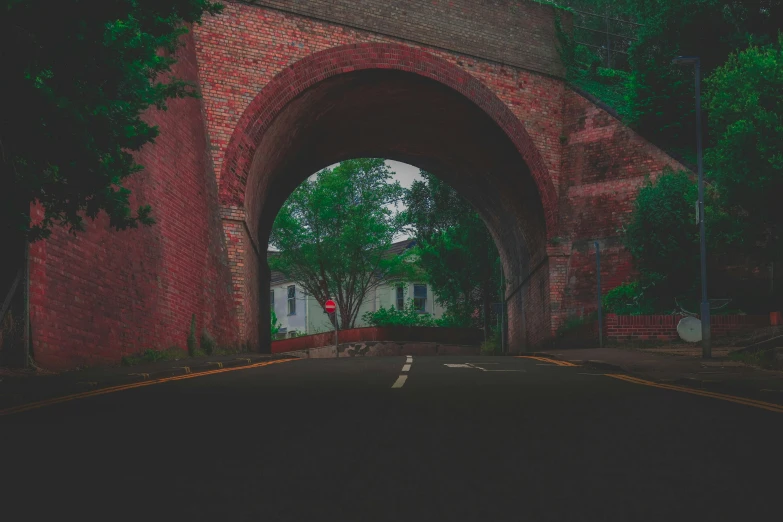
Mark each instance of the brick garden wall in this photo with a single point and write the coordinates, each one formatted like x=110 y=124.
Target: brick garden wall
x=664 y=327
x=105 y=294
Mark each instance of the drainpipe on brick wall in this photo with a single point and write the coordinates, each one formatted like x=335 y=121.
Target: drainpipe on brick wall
x=26 y=334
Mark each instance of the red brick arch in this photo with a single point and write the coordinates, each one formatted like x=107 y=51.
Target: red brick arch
x=305 y=73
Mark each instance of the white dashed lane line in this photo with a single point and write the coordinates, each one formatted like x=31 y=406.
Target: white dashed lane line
x=402 y=378
x=400 y=381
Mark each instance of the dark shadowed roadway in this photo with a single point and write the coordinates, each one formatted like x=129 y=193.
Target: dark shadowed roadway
x=332 y=440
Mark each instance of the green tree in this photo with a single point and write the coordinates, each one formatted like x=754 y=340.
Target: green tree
x=455 y=250
x=663 y=238
x=77 y=77
x=334 y=231
x=660 y=95
x=745 y=104
x=275 y=324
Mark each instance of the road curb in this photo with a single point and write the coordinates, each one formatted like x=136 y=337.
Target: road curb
x=185 y=369
x=129 y=379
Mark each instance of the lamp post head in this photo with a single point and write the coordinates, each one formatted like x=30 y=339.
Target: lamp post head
x=685 y=60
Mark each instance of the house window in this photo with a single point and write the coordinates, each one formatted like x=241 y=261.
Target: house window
x=420 y=297
x=400 y=298
x=292 y=300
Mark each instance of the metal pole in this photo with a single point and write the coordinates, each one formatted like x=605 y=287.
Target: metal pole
x=600 y=308
x=705 y=305
x=336 y=337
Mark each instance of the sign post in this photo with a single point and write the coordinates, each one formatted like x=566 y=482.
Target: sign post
x=600 y=310
x=330 y=307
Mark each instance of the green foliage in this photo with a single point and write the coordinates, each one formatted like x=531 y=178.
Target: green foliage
x=662 y=236
x=661 y=95
x=150 y=356
x=454 y=249
x=334 y=233
x=663 y=239
x=77 y=76
x=391 y=316
x=745 y=103
x=573 y=323
x=192 y=337
x=207 y=342
x=275 y=325
x=628 y=299
x=492 y=346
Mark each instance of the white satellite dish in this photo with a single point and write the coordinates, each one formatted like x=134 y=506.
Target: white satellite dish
x=689 y=329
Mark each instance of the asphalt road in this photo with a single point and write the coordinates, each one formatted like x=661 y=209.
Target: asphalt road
x=326 y=439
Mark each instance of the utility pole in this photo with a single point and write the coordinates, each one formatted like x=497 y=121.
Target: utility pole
x=706 y=345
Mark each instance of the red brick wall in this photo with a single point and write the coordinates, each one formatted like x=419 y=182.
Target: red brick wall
x=664 y=327
x=254 y=60
x=553 y=173
x=454 y=336
x=104 y=294
x=604 y=163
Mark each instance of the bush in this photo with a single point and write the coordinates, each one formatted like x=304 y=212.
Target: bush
x=192 y=337
x=207 y=342
x=628 y=299
x=492 y=346
x=409 y=316
x=275 y=324
x=571 y=324
x=172 y=353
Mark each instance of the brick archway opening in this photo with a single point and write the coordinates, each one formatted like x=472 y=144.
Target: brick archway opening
x=422 y=112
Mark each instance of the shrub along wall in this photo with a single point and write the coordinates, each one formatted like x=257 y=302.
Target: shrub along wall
x=452 y=336
x=664 y=327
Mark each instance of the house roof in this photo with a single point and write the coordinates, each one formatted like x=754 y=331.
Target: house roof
x=394 y=249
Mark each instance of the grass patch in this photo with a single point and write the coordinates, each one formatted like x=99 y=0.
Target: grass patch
x=150 y=356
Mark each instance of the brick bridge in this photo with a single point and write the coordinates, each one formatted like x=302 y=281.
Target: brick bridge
x=470 y=91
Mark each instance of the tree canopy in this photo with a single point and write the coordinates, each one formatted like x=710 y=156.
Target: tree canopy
x=455 y=249
x=77 y=77
x=334 y=232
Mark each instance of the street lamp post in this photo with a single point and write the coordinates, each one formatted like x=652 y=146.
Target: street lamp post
x=706 y=347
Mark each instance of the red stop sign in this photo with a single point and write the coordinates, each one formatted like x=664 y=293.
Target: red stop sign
x=330 y=306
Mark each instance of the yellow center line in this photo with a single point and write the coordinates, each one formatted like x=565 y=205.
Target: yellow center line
x=112 y=389
x=545 y=359
x=731 y=398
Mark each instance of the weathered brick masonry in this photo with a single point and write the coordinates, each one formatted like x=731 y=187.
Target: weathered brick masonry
x=259 y=58
x=469 y=90
x=104 y=294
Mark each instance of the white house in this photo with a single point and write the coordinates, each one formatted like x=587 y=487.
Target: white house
x=300 y=314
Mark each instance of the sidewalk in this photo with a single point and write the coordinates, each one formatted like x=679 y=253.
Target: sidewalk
x=682 y=365
x=23 y=387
